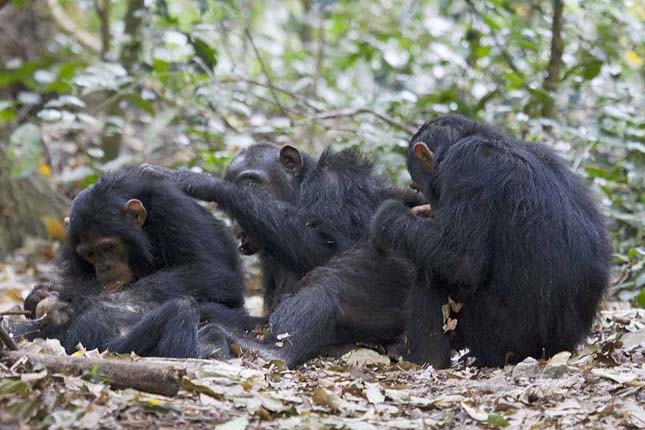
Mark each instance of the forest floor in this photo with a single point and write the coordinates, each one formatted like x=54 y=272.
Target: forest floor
x=599 y=386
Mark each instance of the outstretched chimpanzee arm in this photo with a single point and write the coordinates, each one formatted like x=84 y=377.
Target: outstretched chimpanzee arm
x=298 y=239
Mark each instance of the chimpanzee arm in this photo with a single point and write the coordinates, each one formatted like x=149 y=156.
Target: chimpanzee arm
x=281 y=229
x=409 y=198
x=455 y=248
x=205 y=281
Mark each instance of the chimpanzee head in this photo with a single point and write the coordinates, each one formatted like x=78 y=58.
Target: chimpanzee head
x=427 y=146
x=276 y=170
x=106 y=238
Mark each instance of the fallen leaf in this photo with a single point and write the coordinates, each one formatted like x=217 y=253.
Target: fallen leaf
x=362 y=357
x=615 y=375
x=474 y=413
x=323 y=397
x=559 y=358
x=374 y=394
x=239 y=423
x=32 y=377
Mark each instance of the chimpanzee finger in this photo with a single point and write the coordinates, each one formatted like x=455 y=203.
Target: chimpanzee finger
x=422 y=211
x=155 y=171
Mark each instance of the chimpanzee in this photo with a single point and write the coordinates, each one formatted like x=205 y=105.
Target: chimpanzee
x=140 y=260
x=309 y=220
x=514 y=240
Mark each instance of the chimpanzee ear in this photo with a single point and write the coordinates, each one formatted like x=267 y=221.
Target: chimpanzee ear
x=291 y=158
x=425 y=156
x=135 y=211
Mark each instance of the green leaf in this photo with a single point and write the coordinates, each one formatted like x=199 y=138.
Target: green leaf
x=640 y=300
x=12 y=386
x=204 y=51
x=512 y=80
x=482 y=51
x=497 y=420
x=615 y=175
x=591 y=70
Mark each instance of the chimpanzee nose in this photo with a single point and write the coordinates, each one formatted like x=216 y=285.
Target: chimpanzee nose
x=414 y=186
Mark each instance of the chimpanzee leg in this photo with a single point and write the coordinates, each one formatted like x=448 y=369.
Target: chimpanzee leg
x=213 y=341
x=167 y=331
x=95 y=326
x=307 y=320
x=228 y=317
x=427 y=342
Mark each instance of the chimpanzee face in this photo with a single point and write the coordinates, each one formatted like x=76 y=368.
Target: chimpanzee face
x=108 y=254
x=267 y=167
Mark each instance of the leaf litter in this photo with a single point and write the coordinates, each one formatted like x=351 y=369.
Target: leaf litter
x=601 y=385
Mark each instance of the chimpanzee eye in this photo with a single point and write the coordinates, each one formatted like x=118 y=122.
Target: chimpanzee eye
x=249 y=179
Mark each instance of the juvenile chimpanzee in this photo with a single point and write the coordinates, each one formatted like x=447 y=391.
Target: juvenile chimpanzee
x=140 y=259
x=514 y=237
x=309 y=220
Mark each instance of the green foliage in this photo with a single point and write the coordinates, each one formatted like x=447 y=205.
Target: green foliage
x=213 y=76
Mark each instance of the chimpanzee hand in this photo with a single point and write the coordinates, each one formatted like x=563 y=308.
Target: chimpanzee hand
x=160 y=172
x=54 y=312
x=40 y=292
x=386 y=224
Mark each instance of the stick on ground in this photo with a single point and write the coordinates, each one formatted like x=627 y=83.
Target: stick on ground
x=151 y=378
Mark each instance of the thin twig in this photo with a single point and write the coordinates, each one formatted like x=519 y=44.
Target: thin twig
x=266 y=73
x=11 y=313
x=295 y=96
x=362 y=110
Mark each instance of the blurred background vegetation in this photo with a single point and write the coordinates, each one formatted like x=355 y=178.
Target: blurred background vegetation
x=89 y=85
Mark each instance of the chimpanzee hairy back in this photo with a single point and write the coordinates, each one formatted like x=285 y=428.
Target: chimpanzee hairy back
x=515 y=236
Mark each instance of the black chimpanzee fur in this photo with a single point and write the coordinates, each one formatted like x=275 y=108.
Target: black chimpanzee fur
x=310 y=220
x=182 y=257
x=514 y=236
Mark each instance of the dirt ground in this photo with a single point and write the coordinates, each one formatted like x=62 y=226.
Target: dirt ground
x=599 y=386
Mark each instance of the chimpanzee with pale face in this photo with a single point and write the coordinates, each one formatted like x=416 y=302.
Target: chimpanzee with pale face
x=140 y=261
x=514 y=237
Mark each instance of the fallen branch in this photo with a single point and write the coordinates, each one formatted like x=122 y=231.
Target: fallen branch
x=150 y=378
